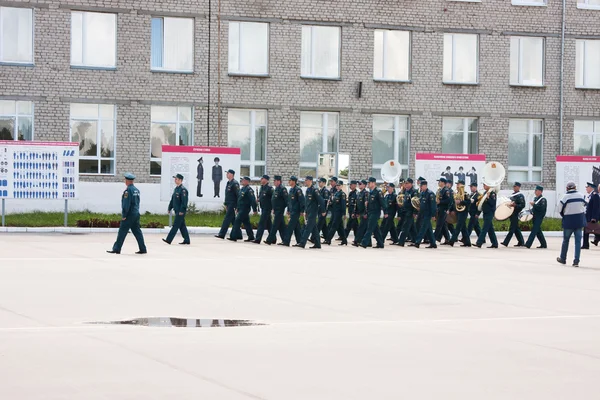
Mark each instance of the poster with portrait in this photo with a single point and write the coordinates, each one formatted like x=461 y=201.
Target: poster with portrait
x=454 y=167
x=204 y=170
x=579 y=169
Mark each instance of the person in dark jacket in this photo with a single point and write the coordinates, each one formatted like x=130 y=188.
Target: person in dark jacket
x=592 y=212
x=391 y=209
x=130 y=217
x=518 y=204
x=322 y=220
x=461 y=225
x=314 y=205
x=375 y=204
x=199 y=177
x=295 y=208
x=538 y=209
x=487 y=209
x=279 y=202
x=338 y=213
x=232 y=191
x=408 y=230
x=361 y=212
x=352 y=217
x=473 y=211
x=217 y=177
x=246 y=201
x=572 y=211
x=179 y=203
x=427 y=210
x=265 y=196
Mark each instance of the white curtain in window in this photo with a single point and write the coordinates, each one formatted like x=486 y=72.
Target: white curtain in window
x=99 y=46
x=17 y=34
x=254 y=52
x=179 y=44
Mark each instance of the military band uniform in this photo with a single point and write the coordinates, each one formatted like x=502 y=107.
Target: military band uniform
x=279 y=202
x=314 y=205
x=374 y=207
x=322 y=220
x=246 y=201
x=538 y=210
x=232 y=190
x=488 y=208
x=461 y=224
x=130 y=218
x=338 y=211
x=295 y=208
x=340 y=227
x=388 y=223
x=514 y=229
x=442 y=213
x=408 y=227
x=592 y=214
x=352 y=225
x=427 y=210
x=474 y=215
x=265 y=196
x=361 y=213
x=179 y=203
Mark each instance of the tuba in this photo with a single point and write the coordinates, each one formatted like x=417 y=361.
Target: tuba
x=493 y=174
x=391 y=171
x=459 y=196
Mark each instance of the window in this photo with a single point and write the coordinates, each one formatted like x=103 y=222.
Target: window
x=247 y=129
x=588 y=64
x=529 y=2
x=248 y=48
x=319 y=133
x=527 y=61
x=460 y=58
x=16 y=116
x=93 y=126
x=587 y=138
x=525 y=150
x=16 y=35
x=172 y=44
x=459 y=135
x=321 y=52
x=93 y=39
x=589 y=4
x=390 y=142
x=171 y=126
x=392 y=56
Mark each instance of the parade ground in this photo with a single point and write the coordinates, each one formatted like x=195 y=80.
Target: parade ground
x=337 y=323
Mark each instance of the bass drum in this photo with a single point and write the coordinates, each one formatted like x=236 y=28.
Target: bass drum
x=503 y=209
x=452 y=218
x=525 y=216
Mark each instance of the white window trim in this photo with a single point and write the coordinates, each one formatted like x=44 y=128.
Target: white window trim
x=595 y=136
x=384 y=53
x=397 y=133
x=585 y=42
x=253 y=162
x=177 y=123
x=528 y=3
x=83 y=33
x=586 y=6
x=465 y=132
x=312 y=56
x=163 y=69
x=16 y=116
x=324 y=130
x=240 y=73
x=453 y=81
x=466 y=1
x=520 y=64
x=98 y=158
x=530 y=169
x=32 y=62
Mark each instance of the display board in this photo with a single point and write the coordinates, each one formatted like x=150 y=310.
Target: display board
x=457 y=167
x=579 y=169
x=39 y=170
x=204 y=171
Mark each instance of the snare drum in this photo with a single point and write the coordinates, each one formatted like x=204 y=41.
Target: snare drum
x=525 y=216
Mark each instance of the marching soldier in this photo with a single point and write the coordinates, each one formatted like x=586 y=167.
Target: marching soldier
x=418 y=221
x=592 y=212
x=322 y=221
x=427 y=210
x=353 y=218
x=518 y=204
x=488 y=208
x=474 y=211
x=449 y=231
x=538 y=209
x=391 y=209
x=461 y=224
x=408 y=227
x=361 y=212
x=338 y=213
x=295 y=208
x=314 y=205
x=279 y=202
x=442 y=211
x=265 y=196
x=232 y=190
x=179 y=202
x=246 y=201
x=375 y=204
x=130 y=217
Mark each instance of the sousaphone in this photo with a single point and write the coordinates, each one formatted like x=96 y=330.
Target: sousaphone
x=391 y=171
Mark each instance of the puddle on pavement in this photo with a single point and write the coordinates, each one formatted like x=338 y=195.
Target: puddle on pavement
x=168 y=322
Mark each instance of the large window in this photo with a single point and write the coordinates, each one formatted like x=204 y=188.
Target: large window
x=321 y=52
x=16 y=120
x=248 y=48
x=247 y=129
x=16 y=35
x=172 y=126
x=391 y=61
x=589 y=4
x=319 y=133
x=459 y=135
x=390 y=142
x=461 y=58
x=527 y=61
x=525 y=150
x=588 y=64
x=173 y=44
x=93 y=126
x=93 y=39
x=587 y=138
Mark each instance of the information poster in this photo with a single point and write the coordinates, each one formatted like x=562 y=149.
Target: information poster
x=579 y=169
x=39 y=170
x=204 y=171
x=453 y=167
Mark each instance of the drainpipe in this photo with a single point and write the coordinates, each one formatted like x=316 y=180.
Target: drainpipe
x=208 y=79
x=562 y=72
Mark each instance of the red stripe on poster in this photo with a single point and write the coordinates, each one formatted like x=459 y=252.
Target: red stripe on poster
x=26 y=143
x=201 y=149
x=577 y=159
x=451 y=157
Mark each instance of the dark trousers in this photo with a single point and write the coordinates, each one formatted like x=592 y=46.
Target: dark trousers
x=337 y=222
x=408 y=229
x=536 y=232
x=264 y=223
x=426 y=232
x=488 y=229
x=514 y=229
x=277 y=226
x=294 y=228
x=474 y=225
x=310 y=230
x=441 y=229
x=372 y=230
x=217 y=188
x=352 y=226
x=228 y=220
x=399 y=226
x=388 y=226
x=242 y=218
x=362 y=229
x=322 y=227
x=199 y=189
x=178 y=225
x=461 y=227
x=132 y=223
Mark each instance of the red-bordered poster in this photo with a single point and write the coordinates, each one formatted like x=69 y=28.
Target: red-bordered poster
x=455 y=167
x=579 y=169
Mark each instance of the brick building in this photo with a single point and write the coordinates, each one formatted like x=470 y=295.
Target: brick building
x=378 y=79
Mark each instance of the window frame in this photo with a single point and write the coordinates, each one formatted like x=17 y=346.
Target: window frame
x=465 y=132
x=595 y=135
x=19 y=63
x=252 y=163
x=83 y=65
x=397 y=133
x=530 y=169
x=168 y=70
x=583 y=86
x=453 y=81
x=324 y=129
x=520 y=62
x=239 y=73
x=584 y=5
x=177 y=123
x=384 y=52
x=529 y=3
x=16 y=119
x=312 y=54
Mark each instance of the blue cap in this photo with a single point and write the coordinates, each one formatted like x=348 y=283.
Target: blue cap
x=423 y=182
x=421 y=178
x=232 y=172
x=354 y=182
x=371 y=179
x=129 y=176
x=178 y=176
x=267 y=177
x=246 y=178
x=364 y=181
x=308 y=178
x=334 y=178
x=473 y=184
x=409 y=180
x=538 y=187
x=391 y=185
x=323 y=180
x=460 y=181
x=590 y=184
x=277 y=177
x=442 y=179
x=517 y=184
x=340 y=182
x=293 y=178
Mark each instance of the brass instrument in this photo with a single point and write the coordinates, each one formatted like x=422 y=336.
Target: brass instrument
x=459 y=197
x=400 y=197
x=438 y=196
x=416 y=201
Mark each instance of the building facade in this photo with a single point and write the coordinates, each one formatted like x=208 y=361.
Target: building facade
x=288 y=79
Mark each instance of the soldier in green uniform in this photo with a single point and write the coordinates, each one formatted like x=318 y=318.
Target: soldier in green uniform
x=352 y=217
x=408 y=227
x=338 y=212
x=232 y=190
x=538 y=209
x=322 y=221
x=461 y=224
x=279 y=202
x=473 y=211
x=265 y=196
x=179 y=203
x=488 y=208
x=314 y=204
x=427 y=210
x=295 y=208
x=246 y=201
x=518 y=204
x=130 y=217
x=391 y=209
x=361 y=212
x=375 y=204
